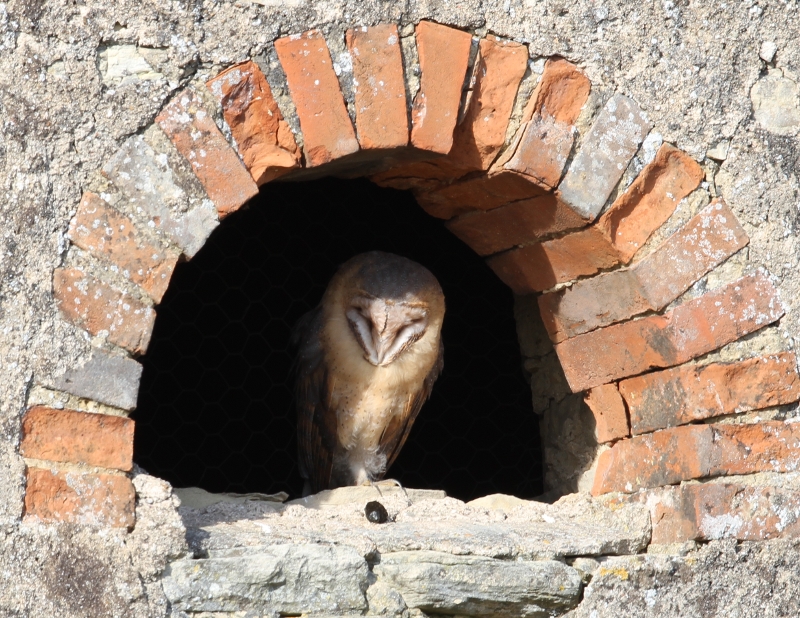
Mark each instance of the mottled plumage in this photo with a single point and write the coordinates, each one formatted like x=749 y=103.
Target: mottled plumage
x=367 y=358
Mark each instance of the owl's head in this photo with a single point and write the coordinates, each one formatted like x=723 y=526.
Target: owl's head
x=389 y=302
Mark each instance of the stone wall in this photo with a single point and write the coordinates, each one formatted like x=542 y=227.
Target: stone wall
x=629 y=171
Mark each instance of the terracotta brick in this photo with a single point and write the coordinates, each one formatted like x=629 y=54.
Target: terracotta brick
x=443 y=60
x=327 y=131
x=380 y=91
x=545 y=140
x=611 y=420
x=604 y=154
x=491 y=231
x=650 y=200
x=216 y=165
x=105 y=232
x=690 y=330
x=701 y=244
x=71 y=497
x=265 y=141
x=77 y=437
x=483 y=192
x=685 y=394
x=97 y=307
x=713 y=511
x=690 y=452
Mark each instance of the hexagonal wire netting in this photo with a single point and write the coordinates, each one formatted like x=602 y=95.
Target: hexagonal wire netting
x=216 y=404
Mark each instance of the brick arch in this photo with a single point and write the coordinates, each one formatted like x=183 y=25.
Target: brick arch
x=494 y=149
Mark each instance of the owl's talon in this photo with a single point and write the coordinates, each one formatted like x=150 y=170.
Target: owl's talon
x=394 y=482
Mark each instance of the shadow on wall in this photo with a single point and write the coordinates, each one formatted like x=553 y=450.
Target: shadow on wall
x=215 y=406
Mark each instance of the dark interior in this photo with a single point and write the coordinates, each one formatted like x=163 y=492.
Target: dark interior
x=216 y=404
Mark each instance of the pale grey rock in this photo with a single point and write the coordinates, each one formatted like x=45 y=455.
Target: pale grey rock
x=123 y=64
x=197 y=498
x=385 y=601
x=290 y=579
x=604 y=155
x=478 y=586
x=106 y=378
x=767 y=51
x=776 y=103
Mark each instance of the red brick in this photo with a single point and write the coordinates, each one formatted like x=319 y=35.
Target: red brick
x=71 y=497
x=650 y=200
x=105 y=232
x=545 y=140
x=443 y=60
x=604 y=155
x=77 y=437
x=611 y=420
x=685 y=394
x=97 y=307
x=265 y=141
x=327 y=131
x=216 y=165
x=490 y=231
x=713 y=511
x=380 y=90
x=483 y=192
x=701 y=244
x=690 y=330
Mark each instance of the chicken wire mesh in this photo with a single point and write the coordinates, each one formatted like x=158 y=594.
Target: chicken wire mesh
x=216 y=399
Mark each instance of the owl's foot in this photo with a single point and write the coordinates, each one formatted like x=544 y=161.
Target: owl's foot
x=391 y=482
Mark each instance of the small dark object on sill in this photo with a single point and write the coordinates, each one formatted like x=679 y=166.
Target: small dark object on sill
x=376 y=512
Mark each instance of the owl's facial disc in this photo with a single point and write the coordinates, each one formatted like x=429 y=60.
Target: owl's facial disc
x=384 y=329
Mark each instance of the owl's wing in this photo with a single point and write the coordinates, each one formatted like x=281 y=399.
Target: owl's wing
x=316 y=424
x=396 y=432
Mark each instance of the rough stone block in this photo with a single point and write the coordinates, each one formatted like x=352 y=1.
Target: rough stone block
x=108 y=234
x=690 y=330
x=290 y=579
x=443 y=60
x=265 y=141
x=690 y=452
x=488 y=232
x=152 y=188
x=714 y=511
x=77 y=437
x=216 y=165
x=610 y=417
x=327 y=130
x=436 y=582
x=97 y=307
x=685 y=394
x=701 y=244
x=71 y=497
x=379 y=85
x=545 y=140
x=604 y=154
x=112 y=380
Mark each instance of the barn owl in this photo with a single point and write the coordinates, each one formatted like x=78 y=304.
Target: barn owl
x=367 y=358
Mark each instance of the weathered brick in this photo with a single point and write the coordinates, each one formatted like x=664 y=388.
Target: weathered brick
x=97 y=307
x=108 y=379
x=650 y=200
x=77 y=437
x=443 y=60
x=491 y=231
x=265 y=141
x=380 y=91
x=105 y=232
x=702 y=243
x=541 y=266
x=327 y=131
x=216 y=165
x=545 y=140
x=152 y=188
x=690 y=452
x=604 y=154
x=611 y=420
x=483 y=192
x=685 y=394
x=690 y=330
x=713 y=511
x=71 y=497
